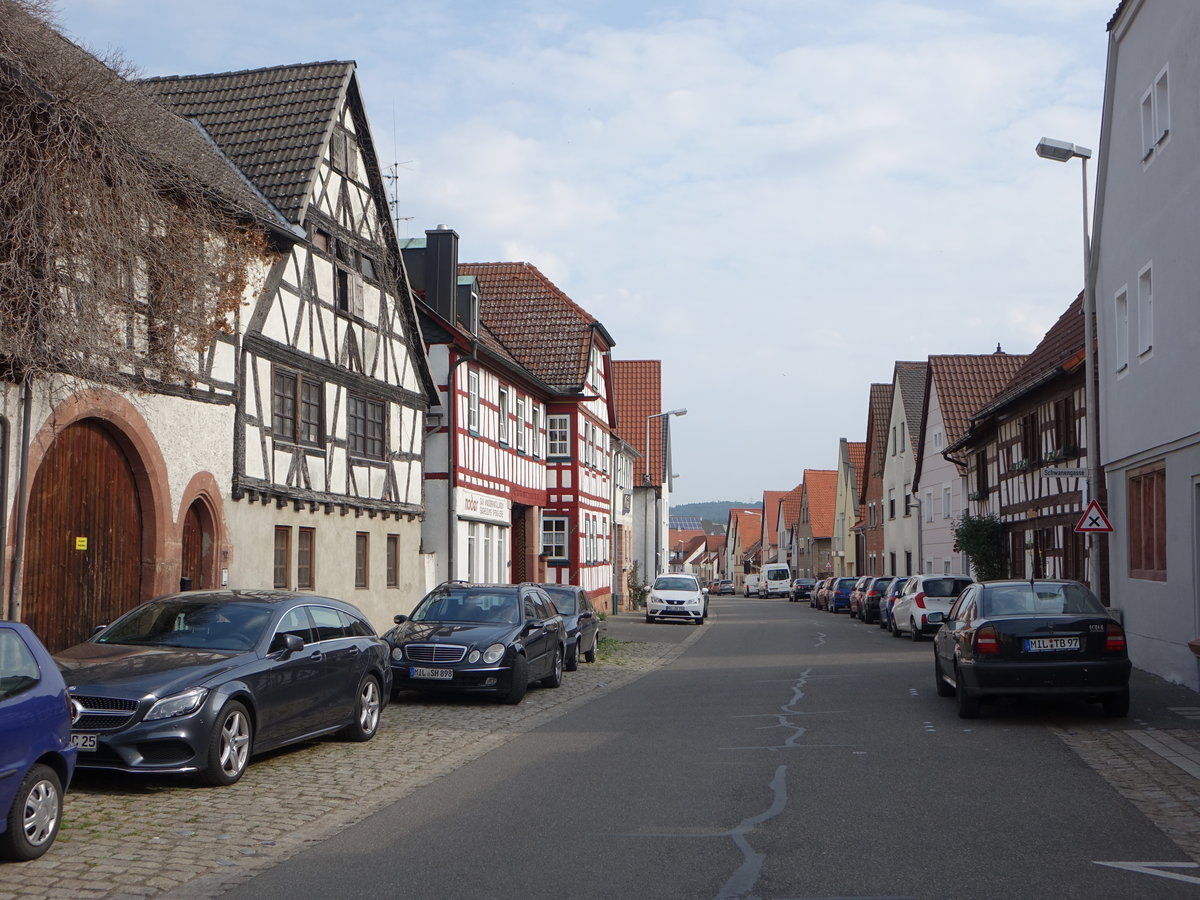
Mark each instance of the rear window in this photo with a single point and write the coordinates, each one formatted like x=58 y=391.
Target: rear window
x=1039 y=600
x=845 y=584
x=944 y=587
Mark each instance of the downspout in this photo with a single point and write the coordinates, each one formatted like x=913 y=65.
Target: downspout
x=18 y=562
x=451 y=440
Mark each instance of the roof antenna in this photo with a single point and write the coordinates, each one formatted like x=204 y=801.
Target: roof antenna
x=392 y=177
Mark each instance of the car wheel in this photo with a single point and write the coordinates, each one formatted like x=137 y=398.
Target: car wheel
x=554 y=679
x=699 y=620
x=572 y=662
x=943 y=687
x=366 y=712
x=913 y=631
x=590 y=655
x=520 y=681
x=649 y=618
x=882 y=622
x=34 y=817
x=896 y=632
x=968 y=703
x=228 y=745
x=1116 y=706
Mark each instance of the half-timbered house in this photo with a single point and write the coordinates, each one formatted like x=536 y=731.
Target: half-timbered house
x=1013 y=445
x=330 y=382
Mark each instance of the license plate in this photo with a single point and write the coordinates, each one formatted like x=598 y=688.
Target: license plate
x=438 y=674
x=1038 y=645
x=83 y=741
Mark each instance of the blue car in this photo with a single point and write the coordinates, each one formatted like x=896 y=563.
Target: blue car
x=839 y=594
x=37 y=758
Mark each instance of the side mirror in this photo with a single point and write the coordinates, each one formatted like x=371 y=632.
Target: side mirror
x=704 y=590
x=532 y=625
x=98 y=629
x=286 y=643
x=400 y=620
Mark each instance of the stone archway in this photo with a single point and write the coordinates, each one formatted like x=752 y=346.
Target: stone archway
x=83 y=556
x=198 y=548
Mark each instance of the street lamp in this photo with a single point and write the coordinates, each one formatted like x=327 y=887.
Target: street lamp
x=646 y=481
x=1064 y=151
x=670 y=412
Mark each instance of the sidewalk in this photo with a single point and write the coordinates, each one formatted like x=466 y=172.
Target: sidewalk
x=126 y=837
x=1152 y=758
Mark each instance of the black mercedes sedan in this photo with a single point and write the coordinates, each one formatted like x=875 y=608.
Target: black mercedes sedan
x=479 y=638
x=198 y=682
x=1031 y=638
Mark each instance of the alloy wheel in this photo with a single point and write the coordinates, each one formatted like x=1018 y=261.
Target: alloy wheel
x=235 y=743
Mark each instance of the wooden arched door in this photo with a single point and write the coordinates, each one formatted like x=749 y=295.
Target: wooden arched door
x=196 y=563
x=83 y=546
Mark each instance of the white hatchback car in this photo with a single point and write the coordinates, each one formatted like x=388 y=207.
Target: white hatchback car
x=926 y=599
x=677 y=597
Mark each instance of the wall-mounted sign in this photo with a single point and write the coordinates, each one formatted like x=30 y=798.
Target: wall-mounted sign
x=80 y=543
x=485 y=507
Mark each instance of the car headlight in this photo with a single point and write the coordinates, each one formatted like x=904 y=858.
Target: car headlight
x=693 y=601
x=493 y=654
x=397 y=653
x=177 y=705
x=655 y=598
x=473 y=657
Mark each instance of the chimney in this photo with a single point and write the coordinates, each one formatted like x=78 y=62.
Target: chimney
x=441 y=271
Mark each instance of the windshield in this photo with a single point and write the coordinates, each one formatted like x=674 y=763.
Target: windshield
x=469 y=606
x=190 y=622
x=1039 y=600
x=564 y=601
x=675 y=583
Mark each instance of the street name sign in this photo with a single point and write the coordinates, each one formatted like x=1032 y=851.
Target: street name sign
x=1064 y=473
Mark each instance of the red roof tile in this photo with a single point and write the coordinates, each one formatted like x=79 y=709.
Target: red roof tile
x=821 y=487
x=637 y=393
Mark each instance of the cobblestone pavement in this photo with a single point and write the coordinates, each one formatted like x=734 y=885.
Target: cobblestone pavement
x=126 y=837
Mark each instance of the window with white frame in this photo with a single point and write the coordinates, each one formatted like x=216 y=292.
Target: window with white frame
x=1145 y=311
x=927 y=505
x=947 y=502
x=558 y=436
x=502 y=432
x=473 y=400
x=1121 y=321
x=489 y=573
x=1156 y=116
x=520 y=442
x=537 y=431
x=473 y=552
x=554 y=537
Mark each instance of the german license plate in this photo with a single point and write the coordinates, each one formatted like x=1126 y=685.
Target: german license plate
x=437 y=674
x=83 y=741
x=1040 y=645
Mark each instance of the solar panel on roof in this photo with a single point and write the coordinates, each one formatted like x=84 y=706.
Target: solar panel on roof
x=685 y=523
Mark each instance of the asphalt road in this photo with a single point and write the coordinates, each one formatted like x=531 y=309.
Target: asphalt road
x=788 y=753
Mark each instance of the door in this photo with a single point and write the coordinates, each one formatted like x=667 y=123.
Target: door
x=520 y=561
x=83 y=557
x=196 y=556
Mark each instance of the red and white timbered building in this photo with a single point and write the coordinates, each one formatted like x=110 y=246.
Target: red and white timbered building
x=518 y=469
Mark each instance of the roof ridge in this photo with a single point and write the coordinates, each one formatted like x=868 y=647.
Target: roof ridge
x=279 y=68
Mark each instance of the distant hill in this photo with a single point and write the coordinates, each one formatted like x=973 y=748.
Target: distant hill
x=713 y=510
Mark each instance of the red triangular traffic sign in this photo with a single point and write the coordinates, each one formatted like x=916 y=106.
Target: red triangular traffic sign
x=1094 y=520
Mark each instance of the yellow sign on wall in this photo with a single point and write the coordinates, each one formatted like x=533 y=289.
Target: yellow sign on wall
x=80 y=543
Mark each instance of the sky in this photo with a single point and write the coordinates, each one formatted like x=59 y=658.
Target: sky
x=776 y=198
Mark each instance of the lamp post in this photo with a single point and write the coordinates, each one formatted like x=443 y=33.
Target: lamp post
x=646 y=480
x=1063 y=151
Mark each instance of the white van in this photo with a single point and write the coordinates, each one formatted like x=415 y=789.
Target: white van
x=775 y=580
x=750 y=587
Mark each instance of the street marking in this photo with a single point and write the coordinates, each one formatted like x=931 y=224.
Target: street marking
x=1188 y=712
x=1155 y=868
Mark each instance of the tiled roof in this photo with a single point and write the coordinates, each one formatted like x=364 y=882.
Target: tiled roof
x=771 y=501
x=857 y=452
x=1061 y=348
x=1060 y=351
x=793 y=500
x=966 y=383
x=910 y=379
x=749 y=525
x=273 y=123
x=879 y=409
x=821 y=487
x=162 y=138
x=1117 y=14
x=537 y=322
x=637 y=393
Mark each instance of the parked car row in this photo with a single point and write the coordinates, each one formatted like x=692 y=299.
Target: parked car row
x=999 y=638
x=197 y=683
